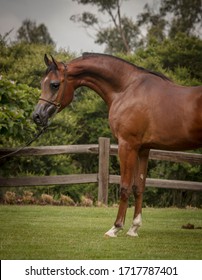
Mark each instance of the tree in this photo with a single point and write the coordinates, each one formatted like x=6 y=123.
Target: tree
x=187 y=16
x=113 y=40
x=121 y=35
x=170 y=18
x=161 y=19
x=154 y=23
x=29 y=32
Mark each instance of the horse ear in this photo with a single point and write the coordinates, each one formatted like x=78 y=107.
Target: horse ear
x=47 y=60
x=54 y=61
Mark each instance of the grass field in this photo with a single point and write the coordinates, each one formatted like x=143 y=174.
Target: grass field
x=50 y=232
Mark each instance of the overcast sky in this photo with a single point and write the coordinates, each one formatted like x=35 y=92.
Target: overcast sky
x=55 y=14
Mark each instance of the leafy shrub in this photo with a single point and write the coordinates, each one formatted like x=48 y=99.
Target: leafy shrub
x=17 y=103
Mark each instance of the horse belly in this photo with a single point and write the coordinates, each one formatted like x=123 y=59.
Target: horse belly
x=161 y=121
x=181 y=131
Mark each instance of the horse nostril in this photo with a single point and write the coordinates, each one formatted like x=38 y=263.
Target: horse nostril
x=36 y=118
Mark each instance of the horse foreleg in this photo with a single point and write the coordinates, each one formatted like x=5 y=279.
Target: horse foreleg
x=128 y=159
x=138 y=190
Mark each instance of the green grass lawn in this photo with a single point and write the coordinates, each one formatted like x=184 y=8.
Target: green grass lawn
x=51 y=232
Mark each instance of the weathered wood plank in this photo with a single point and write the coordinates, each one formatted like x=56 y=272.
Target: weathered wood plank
x=49 y=180
x=93 y=178
x=103 y=175
x=191 y=158
x=174 y=184
x=93 y=149
x=176 y=156
x=52 y=150
x=162 y=183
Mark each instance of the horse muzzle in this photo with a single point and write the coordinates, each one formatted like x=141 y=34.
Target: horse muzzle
x=42 y=113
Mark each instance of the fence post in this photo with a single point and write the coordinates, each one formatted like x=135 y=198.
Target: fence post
x=103 y=173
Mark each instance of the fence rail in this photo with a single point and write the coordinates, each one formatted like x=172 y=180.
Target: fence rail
x=103 y=178
x=94 y=149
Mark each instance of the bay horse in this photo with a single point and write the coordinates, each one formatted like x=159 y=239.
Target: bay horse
x=146 y=110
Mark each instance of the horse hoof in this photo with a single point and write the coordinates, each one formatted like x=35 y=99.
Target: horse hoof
x=113 y=232
x=108 y=235
x=132 y=234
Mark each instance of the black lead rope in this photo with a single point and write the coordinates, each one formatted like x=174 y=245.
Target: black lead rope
x=27 y=144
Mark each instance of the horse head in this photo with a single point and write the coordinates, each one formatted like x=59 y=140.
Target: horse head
x=56 y=92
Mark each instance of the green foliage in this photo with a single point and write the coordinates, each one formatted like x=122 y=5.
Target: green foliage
x=90 y=115
x=182 y=52
x=178 y=58
x=17 y=101
x=114 y=40
x=24 y=62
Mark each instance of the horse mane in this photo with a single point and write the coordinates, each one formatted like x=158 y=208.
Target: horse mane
x=87 y=54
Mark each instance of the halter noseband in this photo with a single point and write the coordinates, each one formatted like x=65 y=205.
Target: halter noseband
x=54 y=102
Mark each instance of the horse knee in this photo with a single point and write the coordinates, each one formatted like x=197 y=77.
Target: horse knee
x=125 y=193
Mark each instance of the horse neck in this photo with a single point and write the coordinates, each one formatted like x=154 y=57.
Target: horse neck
x=101 y=74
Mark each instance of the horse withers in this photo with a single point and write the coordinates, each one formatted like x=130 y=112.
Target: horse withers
x=146 y=110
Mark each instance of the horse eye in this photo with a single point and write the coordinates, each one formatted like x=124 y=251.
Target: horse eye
x=55 y=85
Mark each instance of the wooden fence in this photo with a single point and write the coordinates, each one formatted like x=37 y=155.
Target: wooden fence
x=103 y=178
